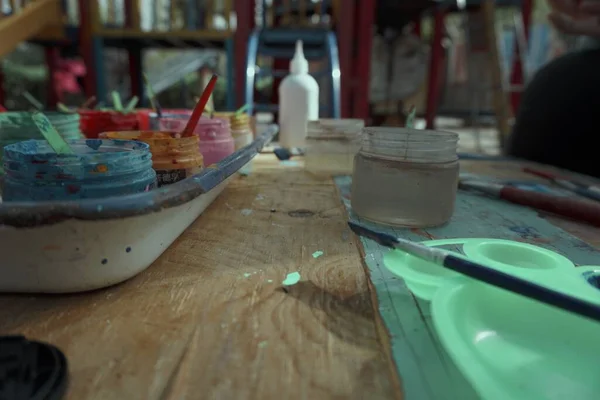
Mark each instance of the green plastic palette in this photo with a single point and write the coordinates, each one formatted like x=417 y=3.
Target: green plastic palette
x=506 y=345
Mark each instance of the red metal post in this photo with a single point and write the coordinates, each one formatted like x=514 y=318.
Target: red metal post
x=134 y=53
x=435 y=68
x=2 y=96
x=365 y=13
x=279 y=64
x=52 y=54
x=85 y=46
x=345 y=36
x=244 y=10
x=517 y=72
x=417 y=26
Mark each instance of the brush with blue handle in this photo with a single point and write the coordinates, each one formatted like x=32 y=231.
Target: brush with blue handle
x=482 y=273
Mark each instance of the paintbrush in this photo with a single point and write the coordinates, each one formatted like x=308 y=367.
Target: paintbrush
x=152 y=97
x=88 y=103
x=33 y=101
x=410 y=120
x=576 y=187
x=483 y=273
x=577 y=209
x=199 y=109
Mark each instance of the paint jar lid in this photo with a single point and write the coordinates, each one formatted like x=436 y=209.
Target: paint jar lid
x=31 y=370
x=410 y=145
x=340 y=129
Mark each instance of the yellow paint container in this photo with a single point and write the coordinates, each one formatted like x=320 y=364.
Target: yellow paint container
x=173 y=158
x=240 y=127
x=238 y=122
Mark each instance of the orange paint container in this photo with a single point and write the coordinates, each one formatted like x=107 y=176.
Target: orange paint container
x=173 y=158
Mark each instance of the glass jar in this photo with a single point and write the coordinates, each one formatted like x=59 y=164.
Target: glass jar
x=331 y=145
x=405 y=177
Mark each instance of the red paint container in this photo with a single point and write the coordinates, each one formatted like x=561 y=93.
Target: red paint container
x=143 y=116
x=94 y=122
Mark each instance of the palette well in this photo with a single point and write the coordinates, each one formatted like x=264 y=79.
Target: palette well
x=506 y=345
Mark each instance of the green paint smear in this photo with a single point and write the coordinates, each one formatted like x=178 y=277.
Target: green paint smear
x=317 y=254
x=291 y=279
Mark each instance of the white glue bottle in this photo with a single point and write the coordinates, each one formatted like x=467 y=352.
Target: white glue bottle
x=298 y=101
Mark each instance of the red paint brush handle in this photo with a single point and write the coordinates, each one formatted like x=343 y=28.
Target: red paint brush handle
x=573 y=208
x=541 y=174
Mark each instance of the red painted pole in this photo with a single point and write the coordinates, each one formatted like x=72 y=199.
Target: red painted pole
x=85 y=46
x=52 y=55
x=134 y=54
x=364 y=39
x=2 y=95
x=244 y=10
x=435 y=68
x=517 y=73
x=345 y=36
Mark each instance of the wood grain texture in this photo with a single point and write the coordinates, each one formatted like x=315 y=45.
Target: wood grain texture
x=427 y=372
x=209 y=319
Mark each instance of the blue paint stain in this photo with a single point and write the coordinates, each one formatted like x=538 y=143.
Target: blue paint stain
x=526 y=232
x=128 y=249
x=94 y=143
x=99 y=168
x=104 y=261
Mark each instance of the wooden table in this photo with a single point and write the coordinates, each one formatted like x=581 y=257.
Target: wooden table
x=209 y=320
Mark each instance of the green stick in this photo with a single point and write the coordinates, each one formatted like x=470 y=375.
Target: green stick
x=58 y=144
x=116 y=98
x=242 y=109
x=33 y=101
x=131 y=105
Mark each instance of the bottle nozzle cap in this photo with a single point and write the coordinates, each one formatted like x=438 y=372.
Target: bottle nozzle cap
x=299 y=49
x=299 y=64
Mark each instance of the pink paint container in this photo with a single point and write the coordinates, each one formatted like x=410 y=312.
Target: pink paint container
x=216 y=141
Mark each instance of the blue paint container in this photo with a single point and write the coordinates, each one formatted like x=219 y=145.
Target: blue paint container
x=99 y=168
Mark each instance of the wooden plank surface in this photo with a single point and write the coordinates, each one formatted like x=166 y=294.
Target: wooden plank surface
x=427 y=371
x=209 y=319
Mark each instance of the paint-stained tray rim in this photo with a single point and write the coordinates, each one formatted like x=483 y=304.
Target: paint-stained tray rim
x=31 y=214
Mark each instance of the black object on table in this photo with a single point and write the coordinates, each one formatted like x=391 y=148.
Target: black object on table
x=31 y=370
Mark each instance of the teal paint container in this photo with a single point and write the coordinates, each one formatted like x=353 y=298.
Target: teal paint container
x=99 y=168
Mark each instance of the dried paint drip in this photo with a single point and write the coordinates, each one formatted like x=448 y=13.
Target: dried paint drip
x=99 y=168
x=173 y=158
x=214 y=134
x=291 y=279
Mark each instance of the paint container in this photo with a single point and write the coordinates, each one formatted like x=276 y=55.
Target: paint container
x=405 y=177
x=173 y=158
x=241 y=130
x=143 y=117
x=331 y=145
x=181 y=113
x=19 y=126
x=216 y=141
x=94 y=122
x=99 y=168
